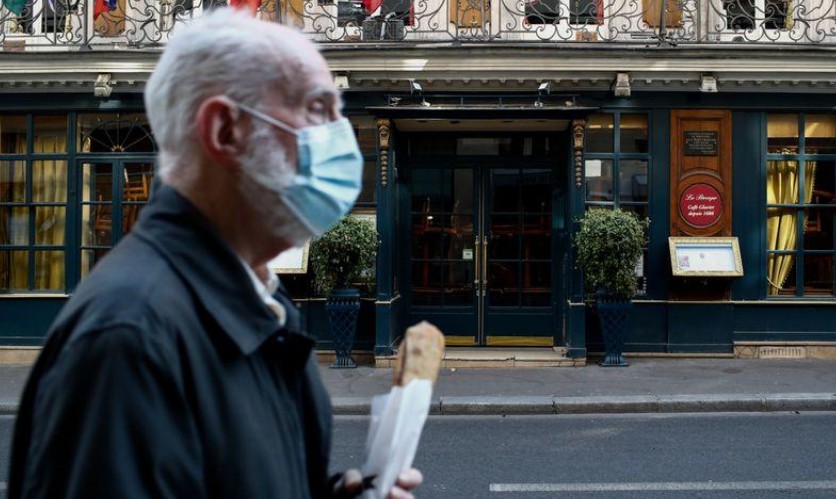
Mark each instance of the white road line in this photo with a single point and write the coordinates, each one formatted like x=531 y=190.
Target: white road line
x=662 y=486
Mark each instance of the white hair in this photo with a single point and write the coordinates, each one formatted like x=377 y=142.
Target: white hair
x=226 y=51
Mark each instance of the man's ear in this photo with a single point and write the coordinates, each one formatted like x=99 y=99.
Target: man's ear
x=220 y=131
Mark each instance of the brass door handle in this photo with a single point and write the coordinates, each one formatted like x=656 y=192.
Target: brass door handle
x=477 y=256
x=484 y=262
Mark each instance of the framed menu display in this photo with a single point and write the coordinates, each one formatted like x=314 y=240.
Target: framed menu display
x=292 y=261
x=705 y=256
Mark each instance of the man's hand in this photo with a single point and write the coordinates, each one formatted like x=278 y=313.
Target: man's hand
x=351 y=484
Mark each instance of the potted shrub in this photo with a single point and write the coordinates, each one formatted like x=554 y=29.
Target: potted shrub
x=608 y=247
x=342 y=259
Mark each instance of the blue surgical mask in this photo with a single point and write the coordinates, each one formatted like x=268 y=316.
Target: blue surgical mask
x=329 y=171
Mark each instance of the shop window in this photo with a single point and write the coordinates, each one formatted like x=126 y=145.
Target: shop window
x=365 y=128
x=617 y=167
x=801 y=198
x=33 y=203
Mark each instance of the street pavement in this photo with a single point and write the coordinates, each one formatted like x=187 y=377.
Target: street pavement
x=646 y=386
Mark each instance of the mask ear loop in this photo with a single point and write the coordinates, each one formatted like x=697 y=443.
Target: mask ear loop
x=266 y=118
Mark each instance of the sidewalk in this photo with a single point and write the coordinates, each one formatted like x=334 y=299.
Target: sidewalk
x=648 y=385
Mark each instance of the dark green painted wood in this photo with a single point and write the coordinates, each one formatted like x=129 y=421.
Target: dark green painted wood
x=749 y=203
x=26 y=320
x=658 y=268
x=700 y=327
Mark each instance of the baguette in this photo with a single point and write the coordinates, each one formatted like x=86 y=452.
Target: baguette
x=420 y=354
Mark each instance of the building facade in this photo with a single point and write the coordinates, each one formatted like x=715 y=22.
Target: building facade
x=488 y=127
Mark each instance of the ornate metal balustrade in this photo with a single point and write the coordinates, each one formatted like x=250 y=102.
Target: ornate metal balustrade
x=38 y=25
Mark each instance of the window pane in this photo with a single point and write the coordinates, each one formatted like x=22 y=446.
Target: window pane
x=641 y=210
x=14 y=226
x=49 y=181
x=599 y=133
x=782 y=133
x=780 y=273
x=97 y=182
x=137 y=182
x=823 y=190
x=426 y=283
x=536 y=187
x=49 y=270
x=369 y=189
x=536 y=284
x=365 y=128
x=537 y=241
x=820 y=134
x=599 y=180
x=505 y=187
x=633 y=130
x=50 y=224
x=781 y=182
x=13 y=134
x=458 y=283
x=96 y=225
x=14 y=270
x=89 y=258
x=114 y=132
x=12 y=181
x=473 y=146
x=633 y=182
x=818 y=230
x=818 y=275
x=503 y=283
x=50 y=134
x=504 y=238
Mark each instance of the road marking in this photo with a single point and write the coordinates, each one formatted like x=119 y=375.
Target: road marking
x=662 y=486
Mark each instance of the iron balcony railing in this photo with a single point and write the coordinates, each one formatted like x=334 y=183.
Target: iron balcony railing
x=49 y=25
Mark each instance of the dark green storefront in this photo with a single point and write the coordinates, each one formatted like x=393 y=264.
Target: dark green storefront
x=475 y=205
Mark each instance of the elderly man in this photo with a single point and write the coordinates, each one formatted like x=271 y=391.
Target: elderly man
x=175 y=371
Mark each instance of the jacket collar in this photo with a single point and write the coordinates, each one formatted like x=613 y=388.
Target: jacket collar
x=175 y=228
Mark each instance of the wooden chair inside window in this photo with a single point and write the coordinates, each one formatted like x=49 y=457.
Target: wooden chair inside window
x=135 y=192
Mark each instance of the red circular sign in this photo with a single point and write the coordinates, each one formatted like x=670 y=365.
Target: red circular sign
x=701 y=205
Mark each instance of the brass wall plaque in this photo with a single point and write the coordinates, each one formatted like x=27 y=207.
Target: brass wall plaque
x=700 y=143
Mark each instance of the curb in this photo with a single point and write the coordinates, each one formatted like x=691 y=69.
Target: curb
x=636 y=404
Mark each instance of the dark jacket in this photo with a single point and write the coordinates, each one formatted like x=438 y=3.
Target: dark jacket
x=166 y=376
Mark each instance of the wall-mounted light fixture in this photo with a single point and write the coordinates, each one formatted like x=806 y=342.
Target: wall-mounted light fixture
x=621 y=85
x=543 y=90
x=708 y=83
x=415 y=88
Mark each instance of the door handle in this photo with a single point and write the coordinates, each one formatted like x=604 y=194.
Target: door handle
x=477 y=256
x=484 y=261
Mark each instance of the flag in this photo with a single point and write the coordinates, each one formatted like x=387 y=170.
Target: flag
x=103 y=6
x=250 y=5
x=372 y=5
x=14 y=6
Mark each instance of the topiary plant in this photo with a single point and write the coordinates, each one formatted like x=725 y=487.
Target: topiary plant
x=344 y=255
x=608 y=248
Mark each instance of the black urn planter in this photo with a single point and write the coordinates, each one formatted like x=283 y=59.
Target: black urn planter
x=614 y=314
x=343 y=306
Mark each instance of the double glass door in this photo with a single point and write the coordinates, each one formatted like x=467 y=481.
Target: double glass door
x=113 y=191
x=481 y=253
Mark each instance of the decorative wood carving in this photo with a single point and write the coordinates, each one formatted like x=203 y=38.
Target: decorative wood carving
x=383 y=134
x=701 y=168
x=578 y=133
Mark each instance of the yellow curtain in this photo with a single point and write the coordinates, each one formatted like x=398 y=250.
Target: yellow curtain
x=781 y=235
x=49 y=184
x=14 y=268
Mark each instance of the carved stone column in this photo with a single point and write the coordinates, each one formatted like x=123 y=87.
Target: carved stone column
x=383 y=133
x=578 y=134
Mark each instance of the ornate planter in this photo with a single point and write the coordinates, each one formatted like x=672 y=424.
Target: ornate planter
x=614 y=314
x=343 y=308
